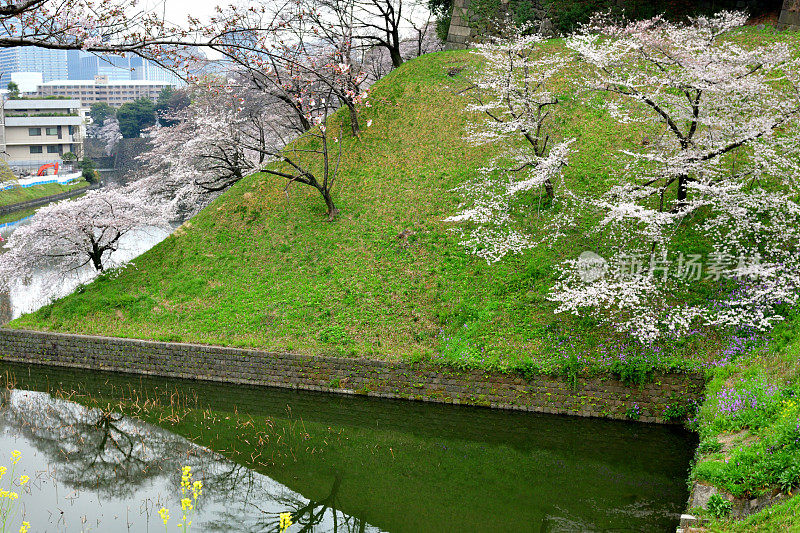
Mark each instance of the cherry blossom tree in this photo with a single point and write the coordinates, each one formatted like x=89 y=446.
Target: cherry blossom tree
x=110 y=135
x=72 y=235
x=325 y=32
x=107 y=26
x=299 y=163
x=231 y=131
x=515 y=102
x=312 y=161
x=304 y=49
x=722 y=166
x=200 y=156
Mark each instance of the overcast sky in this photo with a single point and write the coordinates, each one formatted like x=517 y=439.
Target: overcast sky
x=176 y=11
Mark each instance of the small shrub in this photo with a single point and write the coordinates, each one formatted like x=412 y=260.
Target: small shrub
x=789 y=478
x=719 y=506
x=634 y=412
x=678 y=412
x=88 y=170
x=335 y=335
x=635 y=371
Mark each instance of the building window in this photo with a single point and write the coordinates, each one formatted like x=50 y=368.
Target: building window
x=36 y=149
x=52 y=131
x=52 y=149
x=34 y=132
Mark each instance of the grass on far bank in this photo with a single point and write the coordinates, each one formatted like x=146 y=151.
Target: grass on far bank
x=24 y=194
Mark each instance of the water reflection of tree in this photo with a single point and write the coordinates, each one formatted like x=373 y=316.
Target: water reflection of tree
x=313 y=513
x=309 y=515
x=91 y=448
x=114 y=455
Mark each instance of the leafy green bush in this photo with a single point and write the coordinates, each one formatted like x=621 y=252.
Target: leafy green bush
x=335 y=334
x=789 y=478
x=634 y=371
x=719 y=506
x=677 y=411
x=88 y=170
x=757 y=466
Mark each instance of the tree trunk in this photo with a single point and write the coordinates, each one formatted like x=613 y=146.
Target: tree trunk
x=397 y=59
x=97 y=261
x=682 y=190
x=304 y=123
x=353 y=119
x=333 y=211
x=548 y=189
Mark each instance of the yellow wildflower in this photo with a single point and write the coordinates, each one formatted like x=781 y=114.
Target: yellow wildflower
x=2 y=471
x=186 y=476
x=164 y=513
x=15 y=455
x=186 y=504
x=23 y=480
x=25 y=527
x=286 y=521
x=197 y=489
x=13 y=495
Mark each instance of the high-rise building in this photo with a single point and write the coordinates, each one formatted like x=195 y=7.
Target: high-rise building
x=85 y=66
x=51 y=63
x=74 y=64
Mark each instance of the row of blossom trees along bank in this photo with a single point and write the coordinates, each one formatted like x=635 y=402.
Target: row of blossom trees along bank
x=719 y=161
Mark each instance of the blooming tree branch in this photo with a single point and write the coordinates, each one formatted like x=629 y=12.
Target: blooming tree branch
x=514 y=98
x=723 y=168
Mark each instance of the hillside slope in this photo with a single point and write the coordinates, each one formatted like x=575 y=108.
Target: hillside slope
x=388 y=279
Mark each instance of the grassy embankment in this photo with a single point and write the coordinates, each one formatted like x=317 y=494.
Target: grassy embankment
x=388 y=280
x=24 y=194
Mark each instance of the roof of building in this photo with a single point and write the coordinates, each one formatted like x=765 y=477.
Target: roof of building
x=44 y=103
x=33 y=122
x=105 y=83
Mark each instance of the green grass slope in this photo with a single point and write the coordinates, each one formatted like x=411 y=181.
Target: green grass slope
x=388 y=279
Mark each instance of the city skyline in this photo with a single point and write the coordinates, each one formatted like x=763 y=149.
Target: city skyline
x=73 y=65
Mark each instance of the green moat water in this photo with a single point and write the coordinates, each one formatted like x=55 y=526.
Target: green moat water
x=337 y=463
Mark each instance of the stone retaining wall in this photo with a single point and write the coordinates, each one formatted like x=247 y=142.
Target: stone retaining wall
x=36 y=202
x=599 y=396
x=790 y=15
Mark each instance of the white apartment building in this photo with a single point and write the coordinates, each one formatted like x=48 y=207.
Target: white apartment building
x=101 y=89
x=40 y=131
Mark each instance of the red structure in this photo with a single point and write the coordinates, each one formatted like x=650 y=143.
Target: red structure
x=43 y=169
